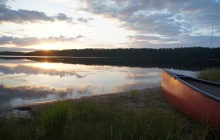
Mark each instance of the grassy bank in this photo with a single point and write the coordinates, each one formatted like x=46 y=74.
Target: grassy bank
x=210 y=74
x=95 y=120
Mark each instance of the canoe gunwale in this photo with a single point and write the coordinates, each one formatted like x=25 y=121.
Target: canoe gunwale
x=181 y=77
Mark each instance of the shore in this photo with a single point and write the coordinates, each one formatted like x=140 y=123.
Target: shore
x=125 y=115
x=146 y=98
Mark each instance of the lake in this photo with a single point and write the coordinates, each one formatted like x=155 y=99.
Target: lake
x=39 y=79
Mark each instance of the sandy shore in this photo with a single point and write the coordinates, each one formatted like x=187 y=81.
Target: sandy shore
x=147 y=98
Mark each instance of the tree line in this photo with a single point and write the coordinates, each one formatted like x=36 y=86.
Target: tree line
x=131 y=53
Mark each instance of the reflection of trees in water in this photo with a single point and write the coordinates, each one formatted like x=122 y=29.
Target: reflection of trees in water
x=181 y=64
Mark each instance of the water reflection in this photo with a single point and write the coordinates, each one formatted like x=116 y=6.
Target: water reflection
x=181 y=64
x=25 y=81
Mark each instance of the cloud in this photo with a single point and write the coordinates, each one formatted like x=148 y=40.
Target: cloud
x=3 y=1
x=84 y=20
x=184 y=40
x=156 y=14
x=23 y=16
x=63 y=17
x=141 y=38
x=16 y=49
x=79 y=36
x=28 y=41
x=167 y=22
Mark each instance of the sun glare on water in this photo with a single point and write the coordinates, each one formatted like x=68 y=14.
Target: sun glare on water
x=46 y=65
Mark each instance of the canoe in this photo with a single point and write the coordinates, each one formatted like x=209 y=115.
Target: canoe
x=199 y=99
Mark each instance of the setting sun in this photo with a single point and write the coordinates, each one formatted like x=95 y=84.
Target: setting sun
x=46 y=46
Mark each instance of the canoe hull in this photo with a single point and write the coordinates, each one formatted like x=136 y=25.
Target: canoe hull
x=191 y=101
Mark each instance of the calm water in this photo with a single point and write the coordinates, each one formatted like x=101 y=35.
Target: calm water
x=24 y=81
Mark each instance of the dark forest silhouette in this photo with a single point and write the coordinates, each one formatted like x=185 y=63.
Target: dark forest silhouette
x=195 y=52
x=142 y=53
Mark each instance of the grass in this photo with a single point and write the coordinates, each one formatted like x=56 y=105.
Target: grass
x=54 y=120
x=96 y=121
x=212 y=74
x=133 y=92
x=105 y=122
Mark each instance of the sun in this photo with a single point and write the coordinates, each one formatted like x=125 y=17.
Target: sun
x=44 y=47
x=47 y=47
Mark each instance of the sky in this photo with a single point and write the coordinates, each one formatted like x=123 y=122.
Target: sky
x=77 y=24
